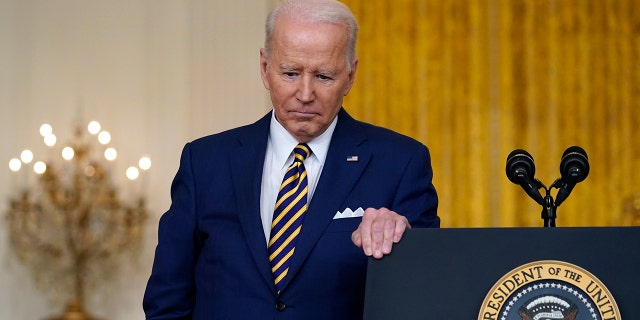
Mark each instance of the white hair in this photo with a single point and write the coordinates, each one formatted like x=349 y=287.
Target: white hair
x=315 y=11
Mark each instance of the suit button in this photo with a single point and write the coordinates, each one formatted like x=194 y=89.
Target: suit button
x=280 y=306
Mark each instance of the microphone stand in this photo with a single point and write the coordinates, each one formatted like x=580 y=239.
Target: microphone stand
x=548 y=206
x=549 y=210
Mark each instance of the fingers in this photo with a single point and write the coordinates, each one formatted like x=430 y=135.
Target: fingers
x=378 y=231
x=356 y=238
x=399 y=230
x=362 y=236
x=382 y=236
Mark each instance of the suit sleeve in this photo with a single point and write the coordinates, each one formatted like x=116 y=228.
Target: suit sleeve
x=170 y=291
x=416 y=196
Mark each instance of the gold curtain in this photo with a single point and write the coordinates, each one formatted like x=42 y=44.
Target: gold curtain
x=474 y=80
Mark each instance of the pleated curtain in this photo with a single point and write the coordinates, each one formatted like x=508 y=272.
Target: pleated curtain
x=475 y=80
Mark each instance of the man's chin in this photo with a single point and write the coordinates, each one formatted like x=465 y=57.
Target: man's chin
x=304 y=133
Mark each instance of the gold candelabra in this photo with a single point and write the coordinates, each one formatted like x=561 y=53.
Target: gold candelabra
x=71 y=227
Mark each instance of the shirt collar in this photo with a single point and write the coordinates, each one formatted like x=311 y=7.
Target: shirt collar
x=283 y=142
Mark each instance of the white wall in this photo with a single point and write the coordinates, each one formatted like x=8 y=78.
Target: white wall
x=155 y=73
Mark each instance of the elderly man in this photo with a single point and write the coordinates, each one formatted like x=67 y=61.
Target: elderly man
x=275 y=220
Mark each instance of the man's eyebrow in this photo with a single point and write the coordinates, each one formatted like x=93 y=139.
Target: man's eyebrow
x=292 y=68
x=330 y=73
x=289 y=68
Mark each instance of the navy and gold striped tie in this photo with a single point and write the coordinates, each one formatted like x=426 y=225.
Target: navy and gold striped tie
x=288 y=214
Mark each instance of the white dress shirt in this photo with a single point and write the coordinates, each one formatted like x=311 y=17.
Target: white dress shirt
x=279 y=156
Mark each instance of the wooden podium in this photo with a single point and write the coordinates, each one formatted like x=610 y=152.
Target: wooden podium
x=463 y=274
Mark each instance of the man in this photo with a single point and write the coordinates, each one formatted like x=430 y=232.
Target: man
x=224 y=253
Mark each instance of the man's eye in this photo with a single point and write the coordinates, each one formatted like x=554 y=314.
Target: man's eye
x=290 y=74
x=323 y=77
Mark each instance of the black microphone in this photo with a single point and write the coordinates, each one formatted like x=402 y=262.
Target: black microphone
x=574 y=167
x=521 y=170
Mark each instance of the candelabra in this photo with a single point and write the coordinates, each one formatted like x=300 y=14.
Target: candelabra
x=71 y=227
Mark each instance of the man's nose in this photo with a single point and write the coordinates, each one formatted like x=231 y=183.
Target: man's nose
x=306 y=89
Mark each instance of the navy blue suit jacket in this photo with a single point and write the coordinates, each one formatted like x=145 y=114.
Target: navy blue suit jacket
x=211 y=260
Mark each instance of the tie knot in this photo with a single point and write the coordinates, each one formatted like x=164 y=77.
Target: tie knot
x=301 y=152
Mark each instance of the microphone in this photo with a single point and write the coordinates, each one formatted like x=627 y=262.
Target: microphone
x=521 y=170
x=574 y=167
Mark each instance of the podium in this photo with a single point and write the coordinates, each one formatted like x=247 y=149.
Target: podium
x=451 y=274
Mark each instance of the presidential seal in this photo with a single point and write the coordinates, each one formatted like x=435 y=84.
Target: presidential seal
x=549 y=290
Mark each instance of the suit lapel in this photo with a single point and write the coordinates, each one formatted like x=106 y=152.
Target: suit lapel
x=337 y=179
x=247 y=179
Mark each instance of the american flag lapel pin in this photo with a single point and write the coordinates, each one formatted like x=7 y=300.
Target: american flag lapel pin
x=352 y=159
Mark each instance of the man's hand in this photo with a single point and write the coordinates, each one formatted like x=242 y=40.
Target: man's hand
x=379 y=230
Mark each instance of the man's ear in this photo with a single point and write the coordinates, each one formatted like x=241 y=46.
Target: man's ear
x=264 y=66
x=351 y=77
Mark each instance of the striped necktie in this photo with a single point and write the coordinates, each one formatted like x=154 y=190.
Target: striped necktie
x=288 y=214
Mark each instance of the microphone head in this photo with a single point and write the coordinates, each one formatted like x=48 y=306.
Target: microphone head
x=520 y=162
x=574 y=165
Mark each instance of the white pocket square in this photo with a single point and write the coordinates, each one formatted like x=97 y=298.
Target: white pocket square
x=348 y=213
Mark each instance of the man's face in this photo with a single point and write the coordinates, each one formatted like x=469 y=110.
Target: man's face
x=307 y=76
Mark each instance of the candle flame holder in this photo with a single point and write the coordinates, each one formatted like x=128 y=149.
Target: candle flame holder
x=72 y=229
